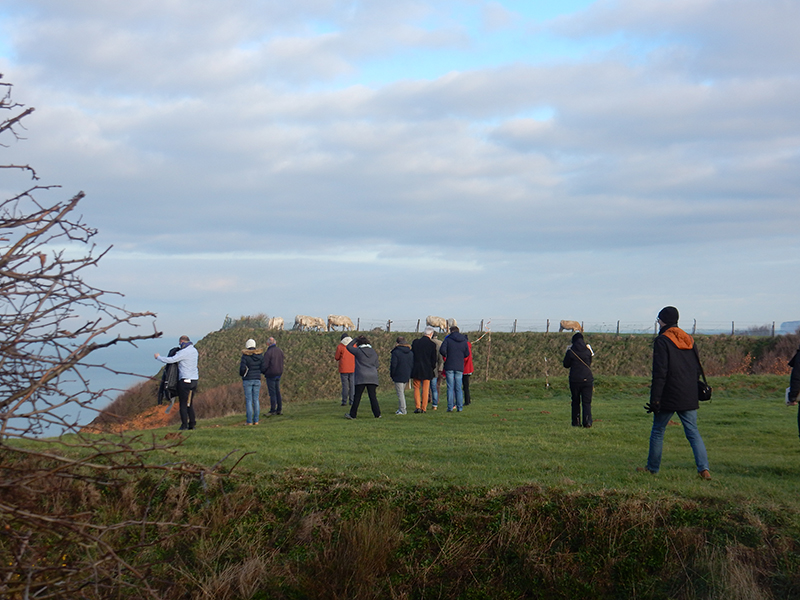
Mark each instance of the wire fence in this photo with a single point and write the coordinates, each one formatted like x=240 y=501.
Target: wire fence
x=693 y=326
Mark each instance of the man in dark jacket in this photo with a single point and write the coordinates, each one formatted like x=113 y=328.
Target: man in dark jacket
x=424 y=369
x=455 y=350
x=400 y=365
x=794 y=384
x=676 y=369
x=272 y=368
x=578 y=360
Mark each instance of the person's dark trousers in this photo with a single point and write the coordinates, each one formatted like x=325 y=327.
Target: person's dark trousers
x=185 y=393
x=373 y=399
x=581 y=398
x=465 y=387
x=348 y=387
x=275 y=400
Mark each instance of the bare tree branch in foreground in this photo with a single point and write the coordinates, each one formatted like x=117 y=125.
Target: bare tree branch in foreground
x=59 y=534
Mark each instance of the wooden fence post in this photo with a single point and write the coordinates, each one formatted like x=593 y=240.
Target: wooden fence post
x=694 y=327
x=733 y=328
x=389 y=326
x=773 y=329
x=547 y=330
x=617 y=328
x=514 y=330
x=417 y=325
x=358 y=324
x=481 y=325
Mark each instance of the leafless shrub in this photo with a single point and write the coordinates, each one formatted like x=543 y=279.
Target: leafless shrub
x=53 y=322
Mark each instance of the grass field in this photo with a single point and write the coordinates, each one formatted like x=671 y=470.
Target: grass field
x=503 y=501
x=518 y=432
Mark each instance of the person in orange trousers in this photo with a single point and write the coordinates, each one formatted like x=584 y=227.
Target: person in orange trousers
x=425 y=357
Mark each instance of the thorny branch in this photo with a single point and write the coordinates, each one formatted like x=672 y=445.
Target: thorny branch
x=51 y=322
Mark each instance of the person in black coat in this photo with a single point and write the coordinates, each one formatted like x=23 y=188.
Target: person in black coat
x=794 y=383
x=401 y=362
x=578 y=360
x=676 y=370
x=424 y=369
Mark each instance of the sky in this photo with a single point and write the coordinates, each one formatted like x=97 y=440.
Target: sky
x=496 y=160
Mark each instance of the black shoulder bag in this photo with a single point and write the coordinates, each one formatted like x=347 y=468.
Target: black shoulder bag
x=703 y=389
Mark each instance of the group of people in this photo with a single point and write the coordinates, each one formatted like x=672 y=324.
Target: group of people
x=674 y=390
x=254 y=363
x=674 y=387
x=422 y=363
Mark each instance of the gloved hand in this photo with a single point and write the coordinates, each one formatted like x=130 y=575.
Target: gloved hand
x=652 y=408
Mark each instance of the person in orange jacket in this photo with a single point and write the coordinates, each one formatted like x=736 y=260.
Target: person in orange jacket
x=347 y=368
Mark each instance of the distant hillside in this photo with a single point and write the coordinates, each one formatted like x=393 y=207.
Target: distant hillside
x=311 y=372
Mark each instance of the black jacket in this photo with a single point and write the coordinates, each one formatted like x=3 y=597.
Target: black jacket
x=401 y=363
x=578 y=360
x=250 y=365
x=425 y=358
x=455 y=350
x=676 y=370
x=794 y=380
x=272 y=365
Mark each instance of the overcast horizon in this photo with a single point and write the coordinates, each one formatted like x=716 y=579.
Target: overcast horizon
x=496 y=160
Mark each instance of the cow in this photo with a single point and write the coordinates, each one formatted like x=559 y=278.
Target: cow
x=306 y=323
x=335 y=321
x=569 y=325
x=451 y=323
x=436 y=322
x=275 y=323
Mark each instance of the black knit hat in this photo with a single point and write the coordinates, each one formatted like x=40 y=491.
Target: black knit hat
x=669 y=315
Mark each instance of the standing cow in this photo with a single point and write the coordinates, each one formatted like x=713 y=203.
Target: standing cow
x=335 y=321
x=437 y=322
x=306 y=323
x=569 y=325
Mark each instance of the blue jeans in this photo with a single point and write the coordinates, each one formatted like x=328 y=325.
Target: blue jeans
x=455 y=390
x=252 y=387
x=689 y=420
x=435 y=393
x=275 y=400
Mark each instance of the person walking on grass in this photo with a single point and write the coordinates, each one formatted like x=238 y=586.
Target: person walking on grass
x=676 y=370
x=188 y=375
x=272 y=367
x=366 y=375
x=578 y=360
x=400 y=365
x=347 y=366
x=455 y=350
x=250 y=372
x=426 y=355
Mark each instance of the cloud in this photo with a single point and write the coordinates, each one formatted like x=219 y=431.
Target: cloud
x=261 y=135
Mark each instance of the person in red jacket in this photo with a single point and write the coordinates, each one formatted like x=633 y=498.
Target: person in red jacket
x=347 y=368
x=469 y=369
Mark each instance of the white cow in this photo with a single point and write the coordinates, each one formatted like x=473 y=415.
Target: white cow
x=306 y=323
x=275 y=323
x=451 y=323
x=571 y=325
x=436 y=322
x=335 y=321
x=319 y=324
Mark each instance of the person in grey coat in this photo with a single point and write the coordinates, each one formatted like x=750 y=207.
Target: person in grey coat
x=366 y=375
x=400 y=366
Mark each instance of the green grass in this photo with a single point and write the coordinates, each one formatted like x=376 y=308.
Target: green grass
x=518 y=432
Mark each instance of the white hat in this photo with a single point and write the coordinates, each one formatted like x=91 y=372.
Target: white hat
x=251 y=343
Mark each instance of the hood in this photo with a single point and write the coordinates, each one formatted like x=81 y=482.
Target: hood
x=457 y=337
x=402 y=348
x=679 y=337
x=346 y=340
x=578 y=343
x=252 y=351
